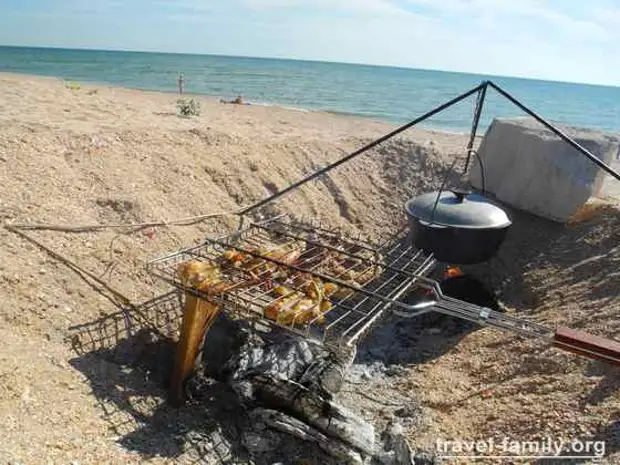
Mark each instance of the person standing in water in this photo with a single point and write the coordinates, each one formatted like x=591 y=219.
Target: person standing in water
x=181 y=82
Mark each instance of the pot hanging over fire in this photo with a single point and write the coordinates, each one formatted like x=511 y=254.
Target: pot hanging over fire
x=457 y=226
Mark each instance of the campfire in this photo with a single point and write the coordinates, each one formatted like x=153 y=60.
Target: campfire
x=307 y=295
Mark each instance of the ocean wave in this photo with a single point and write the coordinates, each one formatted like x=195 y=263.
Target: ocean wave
x=332 y=111
x=278 y=105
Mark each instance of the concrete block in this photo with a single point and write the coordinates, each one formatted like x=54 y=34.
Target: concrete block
x=530 y=168
x=611 y=186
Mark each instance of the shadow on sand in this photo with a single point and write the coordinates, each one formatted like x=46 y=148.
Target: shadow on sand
x=127 y=357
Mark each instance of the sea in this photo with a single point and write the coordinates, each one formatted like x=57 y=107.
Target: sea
x=395 y=95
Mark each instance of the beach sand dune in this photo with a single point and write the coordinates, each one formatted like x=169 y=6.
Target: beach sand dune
x=91 y=154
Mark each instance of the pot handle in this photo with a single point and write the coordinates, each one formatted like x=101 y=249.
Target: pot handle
x=447 y=176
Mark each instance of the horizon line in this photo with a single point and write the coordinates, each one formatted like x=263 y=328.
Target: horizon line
x=308 y=60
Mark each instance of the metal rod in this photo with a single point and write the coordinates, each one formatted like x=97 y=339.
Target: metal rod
x=557 y=131
x=474 y=128
x=365 y=148
x=395 y=294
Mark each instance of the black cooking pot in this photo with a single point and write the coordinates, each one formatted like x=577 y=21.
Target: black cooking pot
x=457 y=226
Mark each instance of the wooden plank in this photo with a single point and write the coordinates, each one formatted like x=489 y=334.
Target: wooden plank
x=197 y=318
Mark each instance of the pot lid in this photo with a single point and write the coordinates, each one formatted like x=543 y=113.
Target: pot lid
x=458 y=209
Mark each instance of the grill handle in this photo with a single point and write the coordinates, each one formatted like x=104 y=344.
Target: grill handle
x=577 y=342
x=588 y=345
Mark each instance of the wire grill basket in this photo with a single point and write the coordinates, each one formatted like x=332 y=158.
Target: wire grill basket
x=370 y=278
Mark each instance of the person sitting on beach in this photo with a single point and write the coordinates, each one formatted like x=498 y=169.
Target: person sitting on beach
x=237 y=101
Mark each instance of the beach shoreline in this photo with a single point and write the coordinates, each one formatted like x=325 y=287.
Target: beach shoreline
x=388 y=94
x=217 y=99
x=210 y=100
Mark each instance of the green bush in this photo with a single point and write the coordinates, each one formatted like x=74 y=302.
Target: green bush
x=189 y=107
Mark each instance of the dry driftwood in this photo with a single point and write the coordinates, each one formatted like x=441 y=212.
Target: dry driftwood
x=314 y=409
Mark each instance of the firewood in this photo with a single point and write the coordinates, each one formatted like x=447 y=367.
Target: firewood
x=287 y=424
x=323 y=414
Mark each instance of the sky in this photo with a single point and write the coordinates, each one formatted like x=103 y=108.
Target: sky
x=566 y=40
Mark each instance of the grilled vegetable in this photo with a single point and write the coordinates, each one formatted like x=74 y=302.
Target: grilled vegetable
x=326 y=306
x=207 y=277
x=234 y=257
x=298 y=313
x=276 y=310
x=300 y=297
x=281 y=290
x=343 y=293
x=329 y=289
x=195 y=273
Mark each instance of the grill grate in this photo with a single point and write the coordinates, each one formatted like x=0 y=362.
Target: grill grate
x=370 y=277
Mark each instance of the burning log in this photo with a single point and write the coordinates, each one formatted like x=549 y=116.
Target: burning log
x=296 y=381
x=283 y=372
x=293 y=358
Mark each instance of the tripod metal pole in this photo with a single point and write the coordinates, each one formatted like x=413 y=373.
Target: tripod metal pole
x=476 y=121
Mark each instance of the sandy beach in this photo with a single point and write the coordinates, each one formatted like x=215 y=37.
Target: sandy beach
x=91 y=154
